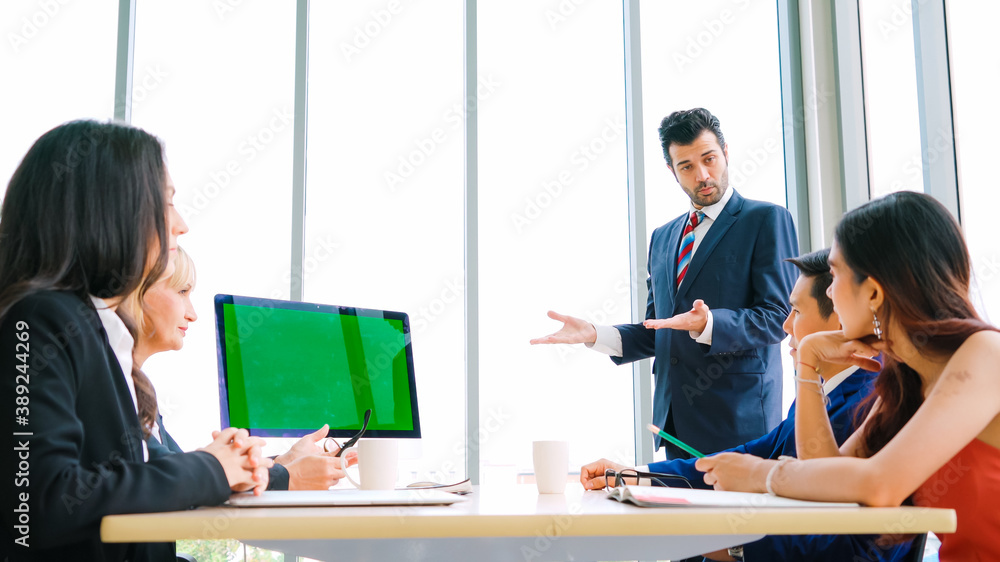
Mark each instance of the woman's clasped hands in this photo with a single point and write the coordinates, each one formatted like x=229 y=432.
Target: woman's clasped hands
x=240 y=456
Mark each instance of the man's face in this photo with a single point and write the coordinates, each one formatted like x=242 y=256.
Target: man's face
x=702 y=169
x=805 y=317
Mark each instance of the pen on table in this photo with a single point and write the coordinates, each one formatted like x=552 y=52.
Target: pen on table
x=674 y=440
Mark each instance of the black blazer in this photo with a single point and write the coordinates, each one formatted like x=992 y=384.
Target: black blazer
x=82 y=457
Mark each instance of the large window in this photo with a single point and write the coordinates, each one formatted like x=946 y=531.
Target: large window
x=553 y=225
x=974 y=64
x=722 y=56
x=385 y=188
x=217 y=86
x=890 y=85
x=58 y=63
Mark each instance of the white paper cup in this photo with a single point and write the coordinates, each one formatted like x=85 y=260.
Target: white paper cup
x=378 y=463
x=551 y=459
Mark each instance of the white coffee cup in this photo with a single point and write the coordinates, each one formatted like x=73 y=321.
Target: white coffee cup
x=378 y=462
x=551 y=460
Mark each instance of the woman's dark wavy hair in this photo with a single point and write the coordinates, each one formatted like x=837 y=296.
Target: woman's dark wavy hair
x=82 y=213
x=910 y=244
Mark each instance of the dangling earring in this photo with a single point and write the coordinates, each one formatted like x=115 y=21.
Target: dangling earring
x=878 y=325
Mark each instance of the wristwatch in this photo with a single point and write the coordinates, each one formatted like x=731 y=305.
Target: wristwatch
x=737 y=553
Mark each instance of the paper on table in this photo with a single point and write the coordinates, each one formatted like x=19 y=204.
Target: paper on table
x=658 y=496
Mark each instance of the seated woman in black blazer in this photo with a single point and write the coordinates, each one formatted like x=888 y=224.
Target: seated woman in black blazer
x=162 y=318
x=87 y=219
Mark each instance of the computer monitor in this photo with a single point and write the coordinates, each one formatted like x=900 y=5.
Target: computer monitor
x=286 y=368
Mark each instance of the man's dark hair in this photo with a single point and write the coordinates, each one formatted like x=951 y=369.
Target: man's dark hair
x=815 y=266
x=683 y=127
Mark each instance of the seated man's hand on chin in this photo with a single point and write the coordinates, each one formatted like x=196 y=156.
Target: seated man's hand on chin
x=592 y=475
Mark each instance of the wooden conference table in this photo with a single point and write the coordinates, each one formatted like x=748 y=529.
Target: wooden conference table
x=513 y=523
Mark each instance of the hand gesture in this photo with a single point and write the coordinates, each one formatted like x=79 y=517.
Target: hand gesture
x=308 y=445
x=240 y=457
x=833 y=347
x=735 y=472
x=592 y=475
x=574 y=330
x=318 y=471
x=693 y=320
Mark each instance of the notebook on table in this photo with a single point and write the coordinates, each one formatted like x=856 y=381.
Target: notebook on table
x=658 y=496
x=328 y=498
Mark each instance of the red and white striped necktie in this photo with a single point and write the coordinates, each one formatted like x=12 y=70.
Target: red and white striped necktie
x=687 y=245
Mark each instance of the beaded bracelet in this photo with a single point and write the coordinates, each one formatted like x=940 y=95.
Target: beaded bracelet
x=770 y=473
x=810 y=366
x=819 y=389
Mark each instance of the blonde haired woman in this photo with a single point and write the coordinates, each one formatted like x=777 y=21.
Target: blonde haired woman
x=162 y=317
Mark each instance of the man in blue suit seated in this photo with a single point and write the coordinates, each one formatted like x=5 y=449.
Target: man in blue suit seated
x=719 y=282
x=812 y=311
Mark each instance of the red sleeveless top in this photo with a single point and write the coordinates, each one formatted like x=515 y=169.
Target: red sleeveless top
x=970 y=484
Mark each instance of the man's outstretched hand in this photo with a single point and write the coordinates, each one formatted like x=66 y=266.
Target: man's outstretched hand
x=693 y=320
x=574 y=330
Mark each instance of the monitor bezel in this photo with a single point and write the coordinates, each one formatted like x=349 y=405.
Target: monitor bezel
x=264 y=303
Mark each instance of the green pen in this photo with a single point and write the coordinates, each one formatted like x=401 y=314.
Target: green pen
x=675 y=440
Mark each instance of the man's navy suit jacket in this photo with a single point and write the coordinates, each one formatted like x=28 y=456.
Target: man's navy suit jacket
x=722 y=395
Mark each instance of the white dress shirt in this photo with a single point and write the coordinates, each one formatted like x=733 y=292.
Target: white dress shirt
x=835 y=380
x=609 y=339
x=121 y=343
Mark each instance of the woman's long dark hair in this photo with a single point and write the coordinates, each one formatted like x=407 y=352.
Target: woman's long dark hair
x=84 y=211
x=911 y=245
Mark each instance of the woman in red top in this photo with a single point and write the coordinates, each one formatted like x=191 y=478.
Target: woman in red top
x=901 y=275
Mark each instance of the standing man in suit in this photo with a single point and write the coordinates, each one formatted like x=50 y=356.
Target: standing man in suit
x=718 y=291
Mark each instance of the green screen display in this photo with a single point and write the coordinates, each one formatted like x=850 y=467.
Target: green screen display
x=288 y=371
